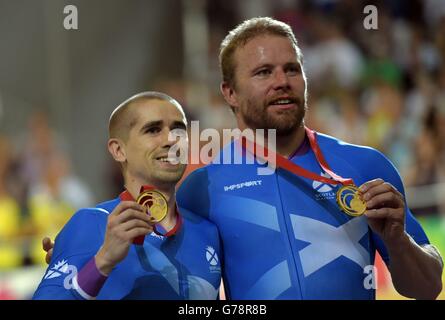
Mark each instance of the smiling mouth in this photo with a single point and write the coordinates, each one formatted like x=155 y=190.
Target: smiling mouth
x=166 y=159
x=283 y=101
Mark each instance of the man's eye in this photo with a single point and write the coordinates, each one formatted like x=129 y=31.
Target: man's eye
x=263 y=72
x=153 y=130
x=293 y=71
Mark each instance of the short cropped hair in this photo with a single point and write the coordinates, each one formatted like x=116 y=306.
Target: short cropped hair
x=121 y=120
x=246 y=31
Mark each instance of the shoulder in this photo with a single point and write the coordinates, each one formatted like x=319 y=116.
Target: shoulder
x=198 y=177
x=108 y=206
x=369 y=161
x=193 y=193
x=85 y=216
x=338 y=146
x=85 y=228
x=90 y=219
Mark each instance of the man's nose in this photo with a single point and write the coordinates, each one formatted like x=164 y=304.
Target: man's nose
x=166 y=143
x=281 y=80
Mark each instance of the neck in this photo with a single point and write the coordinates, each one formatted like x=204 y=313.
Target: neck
x=286 y=145
x=168 y=191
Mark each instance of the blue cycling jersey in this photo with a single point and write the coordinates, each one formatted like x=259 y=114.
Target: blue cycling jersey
x=284 y=236
x=182 y=266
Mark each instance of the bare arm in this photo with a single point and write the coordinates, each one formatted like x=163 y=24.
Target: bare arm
x=416 y=271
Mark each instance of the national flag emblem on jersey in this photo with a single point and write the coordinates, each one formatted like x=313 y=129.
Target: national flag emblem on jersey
x=211 y=256
x=57 y=270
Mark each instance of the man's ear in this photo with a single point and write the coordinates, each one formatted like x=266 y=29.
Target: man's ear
x=229 y=95
x=117 y=150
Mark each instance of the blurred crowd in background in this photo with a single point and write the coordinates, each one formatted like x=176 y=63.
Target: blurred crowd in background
x=384 y=88
x=38 y=192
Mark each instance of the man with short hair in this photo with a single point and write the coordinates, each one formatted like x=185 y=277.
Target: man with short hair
x=94 y=255
x=288 y=236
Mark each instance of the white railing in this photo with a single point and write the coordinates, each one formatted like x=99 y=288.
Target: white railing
x=425 y=196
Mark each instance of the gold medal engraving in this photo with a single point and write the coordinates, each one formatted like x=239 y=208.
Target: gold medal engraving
x=350 y=201
x=155 y=202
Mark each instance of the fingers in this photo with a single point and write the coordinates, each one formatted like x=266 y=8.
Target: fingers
x=47 y=244
x=48 y=256
x=130 y=214
x=383 y=213
x=124 y=220
x=388 y=199
x=378 y=193
x=125 y=205
x=127 y=231
x=134 y=223
x=370 y=184
x=128 y=221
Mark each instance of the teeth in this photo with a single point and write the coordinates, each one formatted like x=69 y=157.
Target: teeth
x=283 y=101
x=166 y=159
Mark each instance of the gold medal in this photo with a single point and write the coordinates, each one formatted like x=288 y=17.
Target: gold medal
x=349 y=201
x=155 y=202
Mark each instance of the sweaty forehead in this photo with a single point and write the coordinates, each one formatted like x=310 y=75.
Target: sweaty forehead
x=267 y=48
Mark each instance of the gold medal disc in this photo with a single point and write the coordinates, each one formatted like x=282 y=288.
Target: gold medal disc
x=349 y=201
x=155 y=202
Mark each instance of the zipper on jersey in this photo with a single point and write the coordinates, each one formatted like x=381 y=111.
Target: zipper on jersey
x=290 y=235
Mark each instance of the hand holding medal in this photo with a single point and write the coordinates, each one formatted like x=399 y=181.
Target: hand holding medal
x=385 y=210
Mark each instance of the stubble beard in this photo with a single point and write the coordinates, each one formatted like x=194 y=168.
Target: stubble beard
x=285 y=122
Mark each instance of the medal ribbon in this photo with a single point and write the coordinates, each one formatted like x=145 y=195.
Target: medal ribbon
x=284 y=163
